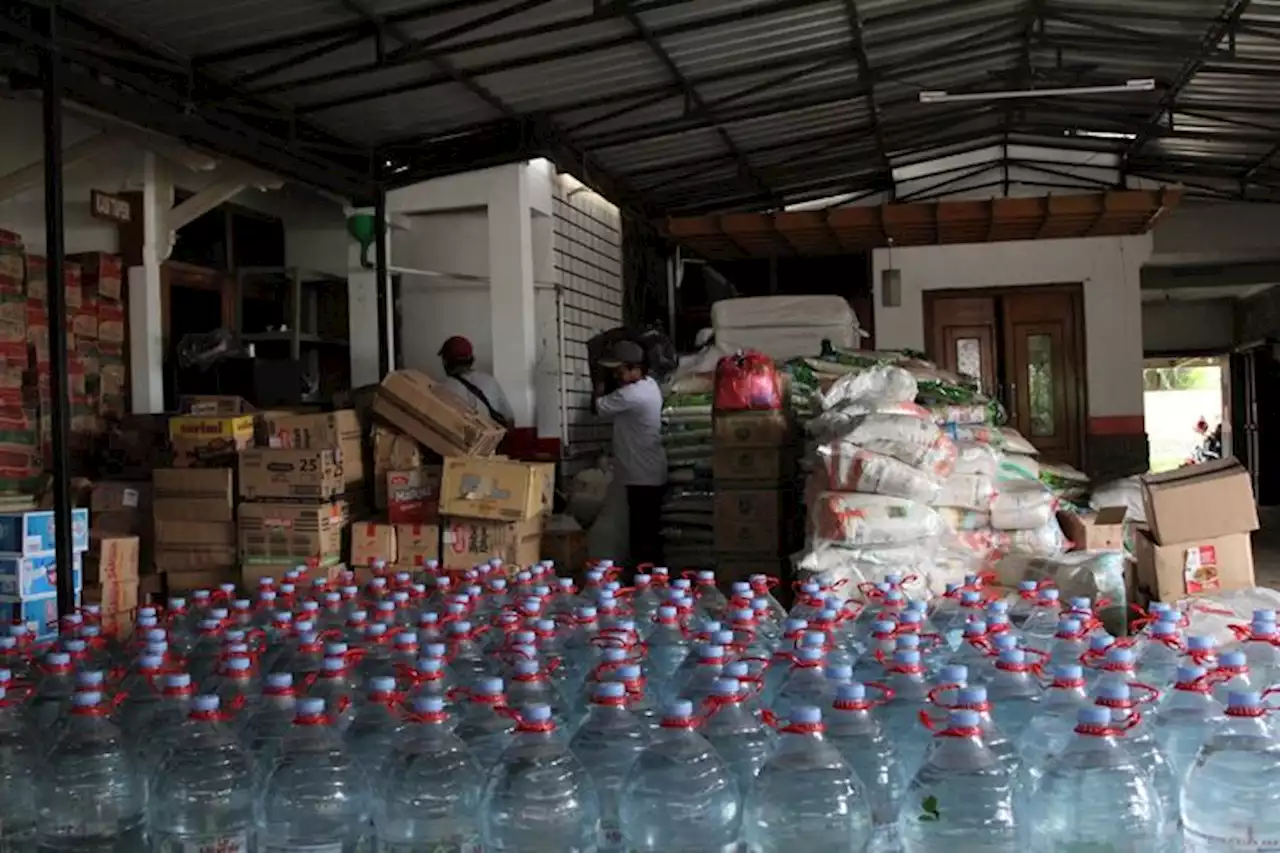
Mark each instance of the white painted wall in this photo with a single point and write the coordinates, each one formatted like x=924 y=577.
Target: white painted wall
x=1108 y=268
x=1172 y=326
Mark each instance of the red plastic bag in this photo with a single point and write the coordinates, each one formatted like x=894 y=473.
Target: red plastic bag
x=747 y=380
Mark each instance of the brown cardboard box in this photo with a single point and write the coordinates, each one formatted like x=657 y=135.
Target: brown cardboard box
x=116 y=559
x=111 y=496
x=209 y=440
x=119 y=601
x=1096 y=531
x=413 y=497
x=500 y=489
x=391 y=452
x=280 y=532
x=197 y=534
x=566 y=543
x=749 y=521
x=372 y=542
x=466 y=542
x=193 y=494
x=267 y=474
x=1200 y=567
x=194 y=559
x=338 y=431
x=1200 y=502
x=413 y=403
x=417 y=543
x=759 y=464
x=213 y=405
x=206 y=578
x=751 y=429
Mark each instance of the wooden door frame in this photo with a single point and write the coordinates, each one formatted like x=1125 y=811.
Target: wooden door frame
x=1074 y=290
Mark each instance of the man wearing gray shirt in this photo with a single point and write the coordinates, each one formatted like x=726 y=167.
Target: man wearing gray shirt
x=635 y=409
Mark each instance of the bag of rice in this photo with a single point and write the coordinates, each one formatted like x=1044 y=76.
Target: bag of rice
x=967 y=491
x=853 y=519
x=1022 y=505
x=850 y=468
x=907 y=438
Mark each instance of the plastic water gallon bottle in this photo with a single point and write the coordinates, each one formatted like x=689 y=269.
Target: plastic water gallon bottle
x=376 y=725
x=485 y=724
x=1095 y=657
x=680 y=794
x=531 y=685
x=1159 y=653
x=1234 y=675
x=806 y=684
x=1229 y=800
x=668 y=647
x=737 y=734
x=974 y=651
x=1186 y=718
x=1042 y=622
x=89 y=795
x=336 y=687
x=166 y=721
x=266 y=726
x=1015 y=692
x=1095 y=795
x=1069 y=643
x=427 y=796
x=901 y=713
x=19 y=760
x=607 y=742
x=1140 y=740
x=316 y=799
x=1202 y=651
x=51 y=699
x=962 y=798
x=1049 y=730
x=202 y=795
x=857 y=735
x=1260 y=643
x=539 y=796
x=806 y=795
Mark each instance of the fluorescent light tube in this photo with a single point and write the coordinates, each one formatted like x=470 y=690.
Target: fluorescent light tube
x=940 y=97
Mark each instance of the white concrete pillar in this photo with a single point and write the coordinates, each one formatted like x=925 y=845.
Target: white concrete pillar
x=513 y=309
x=362 y=313
x=146 y=316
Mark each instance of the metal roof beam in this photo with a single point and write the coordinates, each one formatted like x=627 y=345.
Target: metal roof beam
x=1223 y=26
x=867 y=79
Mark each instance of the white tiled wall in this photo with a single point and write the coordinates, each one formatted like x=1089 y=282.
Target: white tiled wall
x=588 y=267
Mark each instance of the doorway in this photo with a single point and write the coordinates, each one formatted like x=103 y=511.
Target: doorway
x=1183 y=401
x=1025 y=347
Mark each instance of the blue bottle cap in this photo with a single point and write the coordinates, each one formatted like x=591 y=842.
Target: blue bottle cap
x=1119 y=655
x=587 y=612
x=234 y=635
x=428 y=705
x=736 y=669
x=1188 y=674
x=1069 y=671
x=219 y=614
x=159 y=647
x=740 y=588
x=710 y=626
x=89 y=678
x=640 y=580
x=1101 y=642
x=406 y=638
x=610 y=690
x=523 y=638
x=911 y=617
x=435 y=650
x=806 y=715
x=853 y=692
x=838 y=672
x=74 y=646
x=210 y=624
x=536 y=713
x=1093 y=715
x=386 y=606
x=722 y=638
x=883 y=626
x=205 y=703
x=666 y=612
x=498 y=584
x=706 y=575
x=829 y=614
x=810 y=588
x=918 y=605
x=57 y=658
x=907 y=641
x=1069 y=626
x=976 y=628
x=144 y=662
x=680 y=709
x=628 y=672
x=460 y=627
x=1200 y=642
x=613 y=654
x=1027 y=586
x=1013 y=656
x=793 y=625
x=908 y=657
x=488 y=686
x=968 y=598
x=723 y=687
x=1164 y=629
x=239 y=664
x=1116 y=691
x=1244 y=699
x=1004 y=642
x=1081 y=603
x=564 y=583
x=809 y=655
x=893 y=578
x=971 y=695
x=743 y=615
x=8 y=642
x=333 y=665
x=1050 y=594
x=998 y=607
x=708 y=651
x=545 y=625
x=279 y=680
x=307 y=637
x=526 y=667
x=953 y=674
x=1264 y=615
x=1233 y=659
x=962 y=718
x=87 y=699
x=382 y=684
x=309 y=707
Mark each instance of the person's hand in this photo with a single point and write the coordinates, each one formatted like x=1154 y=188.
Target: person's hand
x=600 y=388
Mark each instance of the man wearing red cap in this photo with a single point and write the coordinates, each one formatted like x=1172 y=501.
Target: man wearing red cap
x=479 y=390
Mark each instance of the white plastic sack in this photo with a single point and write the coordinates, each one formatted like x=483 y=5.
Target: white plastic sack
x=1022 y=505
x=1006 y=439
x=1213 y=614
x=967 y=491
x=964 y=519
x=973 y=457
x=1047 y=540
x=1017 y=467
x=1126 y=493
x=879 y=387
x=849 y=468
x=587 y=493
x=907 y=438
x=853 y=566
x=1096 y=575
x=852 y=520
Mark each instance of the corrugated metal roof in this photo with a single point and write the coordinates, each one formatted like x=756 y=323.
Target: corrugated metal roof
x=695 y=105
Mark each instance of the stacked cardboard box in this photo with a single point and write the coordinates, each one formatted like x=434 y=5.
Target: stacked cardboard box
x=100 y=331
x=493 y=507
x=195 y=529
x=292 y=509
x=1197 y=541
x=28 y=567
x=211 y=431
x=111 y=581
x=753 y=467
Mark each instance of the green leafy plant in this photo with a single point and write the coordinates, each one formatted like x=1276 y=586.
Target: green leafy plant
x=929 y=809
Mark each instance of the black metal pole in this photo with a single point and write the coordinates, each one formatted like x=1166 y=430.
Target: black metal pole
x=380 y=270
x=51 y=72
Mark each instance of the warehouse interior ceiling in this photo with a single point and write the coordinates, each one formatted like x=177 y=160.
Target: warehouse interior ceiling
x=686 y=106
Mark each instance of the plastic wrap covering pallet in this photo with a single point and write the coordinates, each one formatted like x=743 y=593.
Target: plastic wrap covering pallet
x=784 y=327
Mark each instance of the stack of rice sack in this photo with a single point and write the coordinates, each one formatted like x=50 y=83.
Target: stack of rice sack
x=876 y=465
x=687 y=523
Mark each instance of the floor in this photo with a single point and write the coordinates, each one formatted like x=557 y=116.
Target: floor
x=1266 y=548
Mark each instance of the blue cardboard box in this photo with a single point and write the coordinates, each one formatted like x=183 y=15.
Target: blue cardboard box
x=27 y=578
x=30 y=534
x=40 y=615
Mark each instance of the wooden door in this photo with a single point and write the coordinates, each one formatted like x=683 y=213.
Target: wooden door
x=1044 y=370
x=964 y=338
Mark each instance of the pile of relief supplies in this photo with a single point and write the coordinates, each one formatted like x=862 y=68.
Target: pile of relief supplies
x=688 y=539
x=911 y=470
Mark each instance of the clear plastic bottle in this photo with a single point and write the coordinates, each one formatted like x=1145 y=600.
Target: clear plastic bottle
x=854 y=731
x=1230 y=801
x=1159 y=653
x=738 y=735
x=974 y=651
x=19 y=762
x=680 y=795
x=804 y=685
x=1140 y=740
x=668 y=647
x=485 y=724
x=1069 y=643
x=376 y=725
x=267 y=725
x=89 y=795
x=1095 y=796
x=1050 y=729
x=1015 y=692
x=901 y=713
x=607 y=742
x=316 y=799
x=530 y=685
x=1186 y=718
x=1234 y=675
x=962 y=799
x=202 y=794
x=1202 y=650
x=237 y=686
x=539 y=796
x=806 y=796
x=708 y=661
x=427 y=796
x=1260 y=643
x=1024 y=604
x=336 y=686
x=51 y=699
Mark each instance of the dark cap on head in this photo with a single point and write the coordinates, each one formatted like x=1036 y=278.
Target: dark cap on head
x=457 y=348
x=624 y=352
